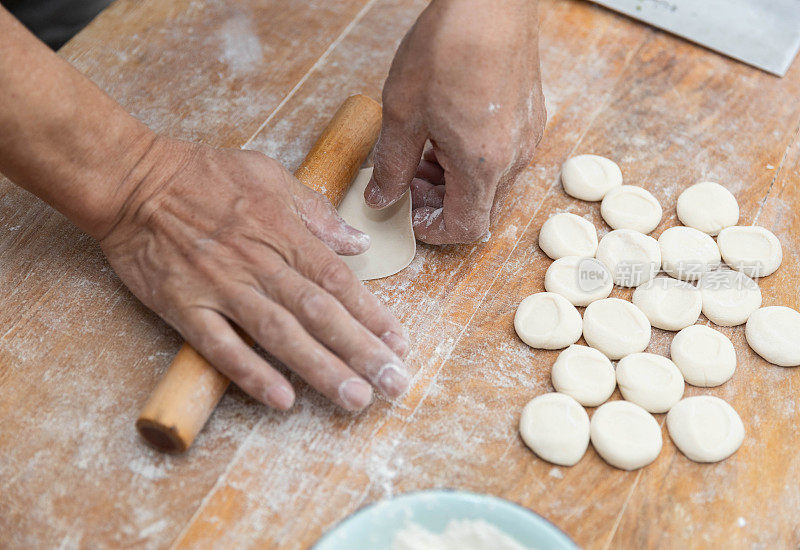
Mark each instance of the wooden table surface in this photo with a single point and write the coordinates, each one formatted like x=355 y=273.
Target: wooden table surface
x=79 y=355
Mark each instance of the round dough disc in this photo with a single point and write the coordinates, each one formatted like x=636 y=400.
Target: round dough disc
x=547 y=321
x=615 y=327
x=584 y=374
x=566 y=234
x=705 y=428
x=556 y=428
x=632 y=257
x=590 y=177
x=392 y=243
x=578 y=279
x=625 y=435
x=708 y=206
x=753 y=250
x=774 y=333
x=687 y=253
x=631 y=207
x=651 y=381
x=668 y=303
x=729 y=297
x=705 y=356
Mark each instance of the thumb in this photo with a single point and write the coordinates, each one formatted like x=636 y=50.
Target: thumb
x=397 y=156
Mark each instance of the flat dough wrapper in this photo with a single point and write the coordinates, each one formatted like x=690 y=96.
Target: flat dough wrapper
x=393 y=243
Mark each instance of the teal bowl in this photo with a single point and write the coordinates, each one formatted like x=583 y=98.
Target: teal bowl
x=375 y=526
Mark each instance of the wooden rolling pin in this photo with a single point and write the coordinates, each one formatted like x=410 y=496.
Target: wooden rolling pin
x=186 y=396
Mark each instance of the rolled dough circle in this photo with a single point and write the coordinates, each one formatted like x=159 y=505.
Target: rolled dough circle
x=625 y=435
x=556 y=428
x=580 y=280
x=705 y=356
x=615 y=327
x=687 y=253
x=705 y=428
x=566 y=234
x=392 y=242
x=708 y=207
x=547 y=321
x=668 y=303
x=584 y=374
x=729 y=297
x=651 y=381
x=631 y=257
x=590 y=177
x=774 y=333
x=753 y=250
x=631 y=207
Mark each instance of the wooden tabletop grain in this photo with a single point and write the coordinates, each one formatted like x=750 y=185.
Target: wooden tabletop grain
x=79 y=355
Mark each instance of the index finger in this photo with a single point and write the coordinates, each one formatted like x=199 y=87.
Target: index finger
x=327 y=270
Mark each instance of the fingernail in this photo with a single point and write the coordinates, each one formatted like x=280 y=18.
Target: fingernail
x=360 y=239
x=279 y=396
x=373 y=195
x=355 y=393
x=396 y=342
x=392 y=380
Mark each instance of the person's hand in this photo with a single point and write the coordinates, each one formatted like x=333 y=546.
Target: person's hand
x=466 y=77
x=214 y=237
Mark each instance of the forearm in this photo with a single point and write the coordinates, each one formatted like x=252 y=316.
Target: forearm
x=61 y=137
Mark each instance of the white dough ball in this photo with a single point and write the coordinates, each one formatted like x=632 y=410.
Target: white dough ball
x=631 y=207
x=547 y=321
x=753 y=250
x=708 y=206
x=687 y=253
x=556 y=428
x=616 y=327
x=729 y=297
x=631 y=257
x=625 y=435
x=705 y=356
x=668 y=303
x=705 y=428
x=651 y=381
x=584 y=374
x=774 y=333
x=566 y=234
x=580 y=280
x=590 y=177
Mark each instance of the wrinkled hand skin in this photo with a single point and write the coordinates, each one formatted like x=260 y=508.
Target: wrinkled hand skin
x=466 y=78
x=211 y=237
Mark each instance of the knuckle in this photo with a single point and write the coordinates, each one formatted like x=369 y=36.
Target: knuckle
x=270 y=328
x=336 y=277
x=219 y=344
x=312 y=307
x=271 y=275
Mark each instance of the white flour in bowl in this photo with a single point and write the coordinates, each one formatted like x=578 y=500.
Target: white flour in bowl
x=458 y=535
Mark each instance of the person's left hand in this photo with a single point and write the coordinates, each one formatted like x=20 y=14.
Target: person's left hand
x=466 y=77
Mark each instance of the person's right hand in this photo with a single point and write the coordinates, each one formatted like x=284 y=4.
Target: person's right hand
x=465 y=78
x=213 y=237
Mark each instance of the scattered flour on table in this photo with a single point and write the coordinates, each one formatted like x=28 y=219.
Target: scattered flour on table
x=458 y=535
x=241 y=48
